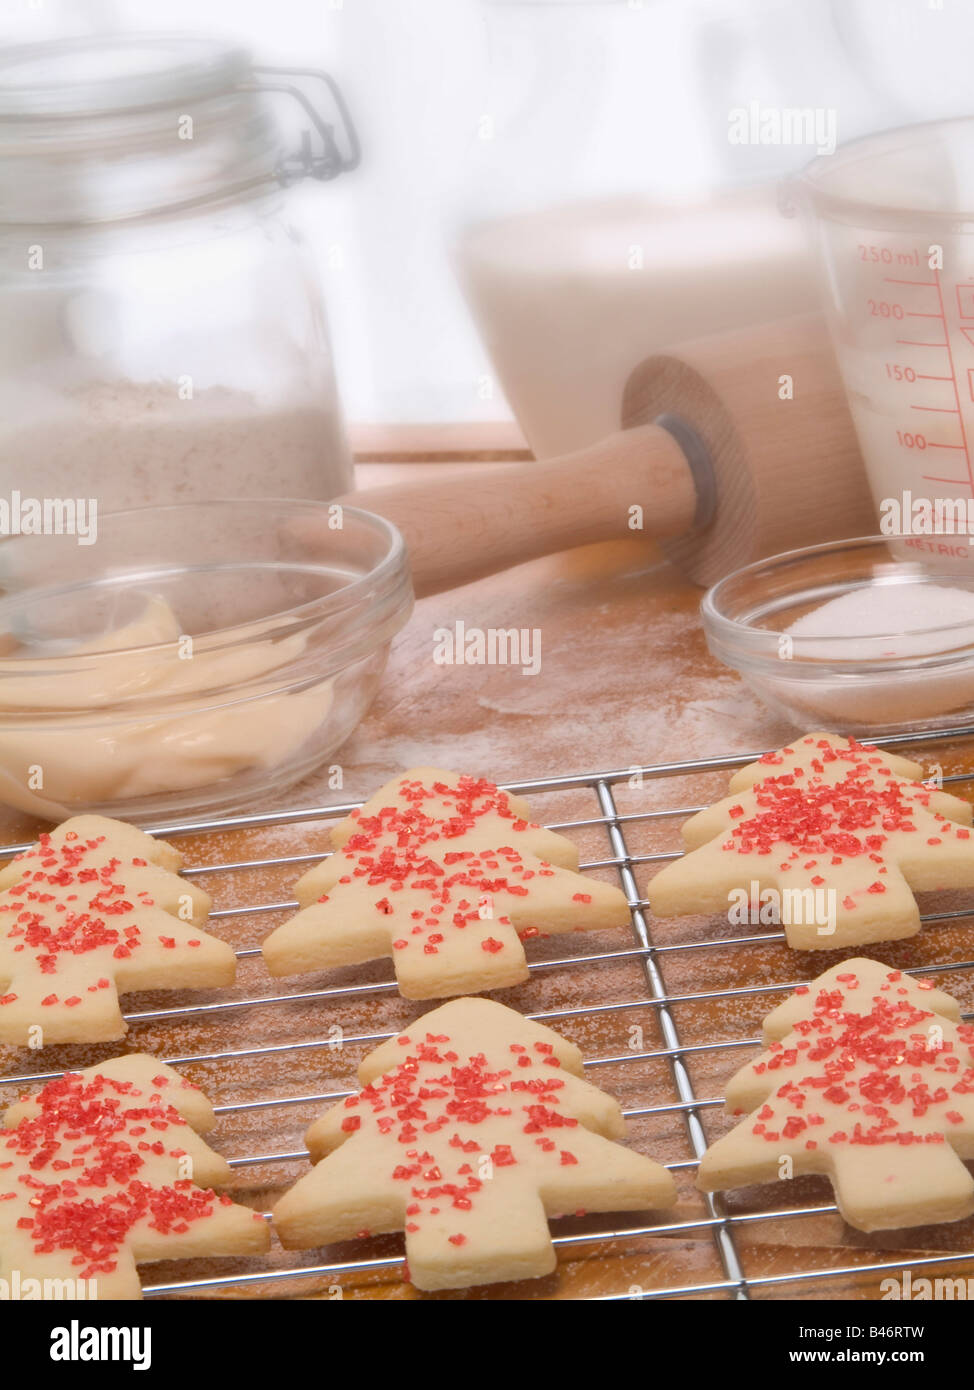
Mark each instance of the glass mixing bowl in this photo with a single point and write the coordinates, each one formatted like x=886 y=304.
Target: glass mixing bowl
x=194 y=657
x=906 y=678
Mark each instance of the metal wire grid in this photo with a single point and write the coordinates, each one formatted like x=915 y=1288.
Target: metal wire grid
x=721 y=1223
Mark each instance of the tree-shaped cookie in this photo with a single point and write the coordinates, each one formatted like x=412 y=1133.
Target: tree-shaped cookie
x=95 y=909
x=447 y=875
x=840 y=831
x=105 y=1168
x=868 y=1078
x=473 y=1128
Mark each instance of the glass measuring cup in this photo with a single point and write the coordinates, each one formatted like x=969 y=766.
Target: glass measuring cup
x=893 y=216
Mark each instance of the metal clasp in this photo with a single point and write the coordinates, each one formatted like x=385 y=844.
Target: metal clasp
x=326 y=161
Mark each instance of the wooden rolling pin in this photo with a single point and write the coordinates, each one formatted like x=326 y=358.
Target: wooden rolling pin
x=723 y=469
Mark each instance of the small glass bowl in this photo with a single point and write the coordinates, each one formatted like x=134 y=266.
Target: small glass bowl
x=855 y=684
x=194 y=657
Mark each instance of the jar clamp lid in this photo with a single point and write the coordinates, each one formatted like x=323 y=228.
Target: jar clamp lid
x=82 y=122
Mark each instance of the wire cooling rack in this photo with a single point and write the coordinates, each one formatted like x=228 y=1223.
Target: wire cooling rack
x=724 y=1226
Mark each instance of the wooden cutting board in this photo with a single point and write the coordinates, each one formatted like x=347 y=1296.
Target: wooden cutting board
x=625 y=680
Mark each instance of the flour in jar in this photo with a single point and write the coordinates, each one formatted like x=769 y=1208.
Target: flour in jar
x=131 y=444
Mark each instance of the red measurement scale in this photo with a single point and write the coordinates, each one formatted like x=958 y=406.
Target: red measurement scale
x=891 y=213
x=904 y=321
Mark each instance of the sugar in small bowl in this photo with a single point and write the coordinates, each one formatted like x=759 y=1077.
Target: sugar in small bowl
x=865 y=635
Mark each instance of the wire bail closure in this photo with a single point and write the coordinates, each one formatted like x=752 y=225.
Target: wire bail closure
x=326 y=161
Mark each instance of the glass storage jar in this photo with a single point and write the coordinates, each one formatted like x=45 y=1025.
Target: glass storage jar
x=162 y=334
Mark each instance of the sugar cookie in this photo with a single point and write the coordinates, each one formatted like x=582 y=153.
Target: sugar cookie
x=105 y=1168
x=473 y=1128
x=868 y=1078
x=447 y=875
x=93 y=910
x=840 y=830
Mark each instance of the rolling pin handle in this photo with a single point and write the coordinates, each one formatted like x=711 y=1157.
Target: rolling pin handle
x=500 y=515
x=715 y=494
